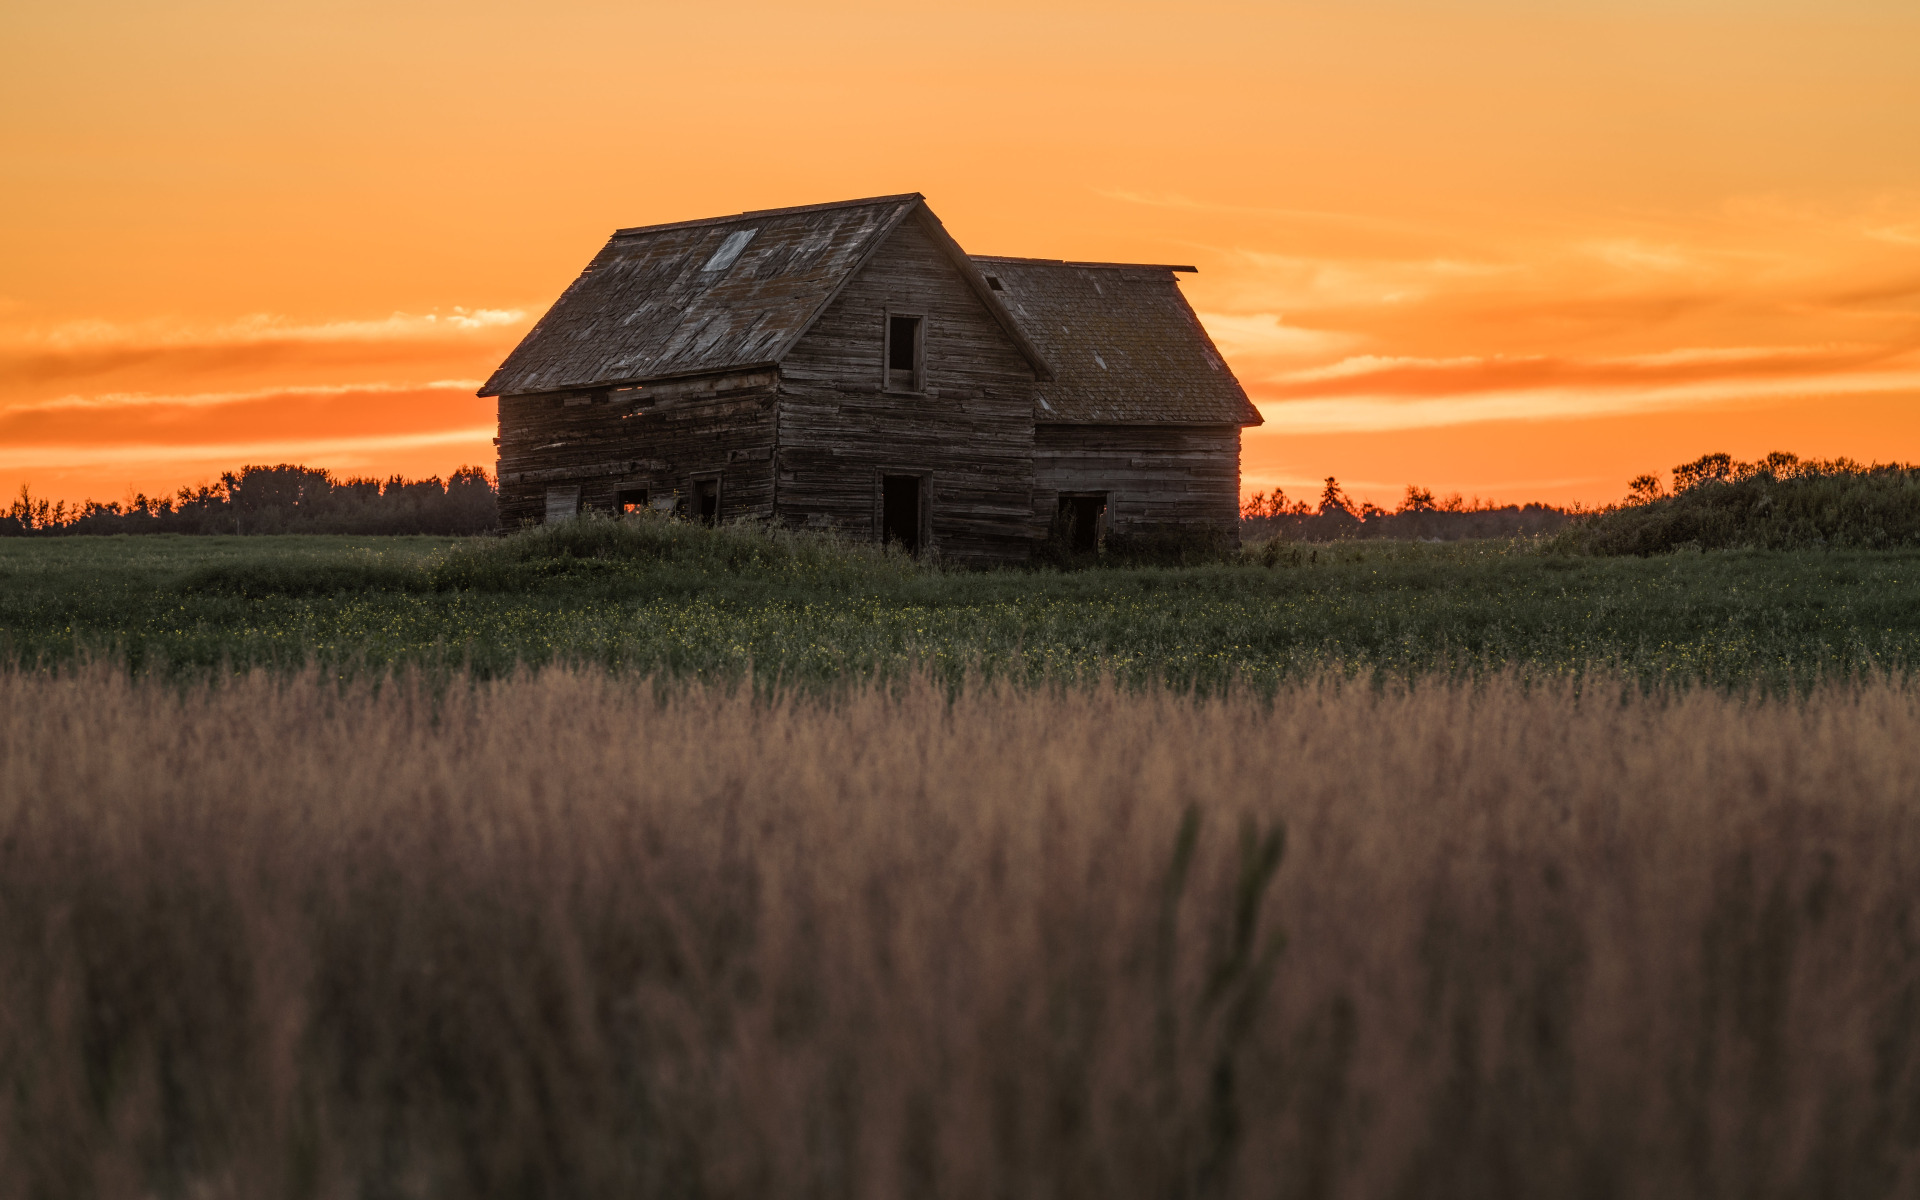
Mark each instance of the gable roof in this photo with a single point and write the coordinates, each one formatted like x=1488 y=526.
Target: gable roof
x=1126 y=347
x=719 y=294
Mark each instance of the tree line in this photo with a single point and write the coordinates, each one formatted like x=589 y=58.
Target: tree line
x=1419 y=515
x=287 y=498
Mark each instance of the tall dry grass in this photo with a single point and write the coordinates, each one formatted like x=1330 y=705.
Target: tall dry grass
x=567 y=936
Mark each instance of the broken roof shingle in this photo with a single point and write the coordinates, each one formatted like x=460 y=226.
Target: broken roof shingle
x=1125 y=346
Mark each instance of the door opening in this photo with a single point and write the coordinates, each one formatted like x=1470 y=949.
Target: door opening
x=1083 y=520
x=900 y=512
x=706 y=501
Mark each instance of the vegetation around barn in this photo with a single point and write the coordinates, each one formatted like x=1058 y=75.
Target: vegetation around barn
x=647 y=594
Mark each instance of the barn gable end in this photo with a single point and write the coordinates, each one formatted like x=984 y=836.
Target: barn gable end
x=965 y=427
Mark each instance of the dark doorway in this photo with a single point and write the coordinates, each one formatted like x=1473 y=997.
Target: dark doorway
x=900 y=512
x=706 y=501
x=1083 y=519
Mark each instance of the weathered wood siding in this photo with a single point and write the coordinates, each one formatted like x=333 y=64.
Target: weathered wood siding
x=1158 y=479
x=660 y=437
x=971 y=431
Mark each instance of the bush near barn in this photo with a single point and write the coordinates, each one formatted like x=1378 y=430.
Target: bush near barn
x=1781 y=502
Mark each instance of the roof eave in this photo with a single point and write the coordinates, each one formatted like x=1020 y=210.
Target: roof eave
x=1151 y=422
x=758 y=213
x=492 y=386
x=621 y=381
x=1068 y=262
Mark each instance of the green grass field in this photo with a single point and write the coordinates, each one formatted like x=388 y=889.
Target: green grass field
x=718 y=604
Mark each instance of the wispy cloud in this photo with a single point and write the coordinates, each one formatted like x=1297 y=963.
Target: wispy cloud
x=1267 y=335
x=1732 y=366
x=1376 y=412
x=312 y=421
x=1175 y=201
x=38 y=357
x=1308 y=281
x=1711 y=371
x=1631 y=254
x=256 y=328
x=208 y=400
x=343 y=450
x=149 y=400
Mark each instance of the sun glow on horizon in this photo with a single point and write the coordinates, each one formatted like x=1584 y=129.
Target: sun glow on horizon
x=1483 y=248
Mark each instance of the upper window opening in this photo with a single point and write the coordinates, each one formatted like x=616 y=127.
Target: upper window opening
x=993 y=281
x=730 y=249
x=903 y=349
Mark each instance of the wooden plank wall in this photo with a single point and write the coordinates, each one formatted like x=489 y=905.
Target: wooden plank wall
x=658 y=437
x=972 y=429
x=1157 y=478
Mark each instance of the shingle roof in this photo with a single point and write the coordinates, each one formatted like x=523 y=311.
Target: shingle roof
x=719 y=294
x=1124 y=345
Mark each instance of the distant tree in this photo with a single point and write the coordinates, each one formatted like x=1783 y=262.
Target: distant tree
x=1334 y=500
x=1724 y=468
x=1645 y=489
x=1417 y=500
x=28 y=515
x=1708 y=468
x=1264 y=504
x=1274 y=504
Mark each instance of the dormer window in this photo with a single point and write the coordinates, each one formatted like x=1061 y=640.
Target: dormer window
x=905 y=354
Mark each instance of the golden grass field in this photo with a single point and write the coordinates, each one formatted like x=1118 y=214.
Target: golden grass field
x=568 y=934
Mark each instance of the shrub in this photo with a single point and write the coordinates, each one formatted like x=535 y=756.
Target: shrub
x=255 y=579
x=1779 y=503
x=593 y=543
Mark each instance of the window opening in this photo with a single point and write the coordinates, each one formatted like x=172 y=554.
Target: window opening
x=993 y=281
x=563 y=503
x=630 y=500
x=1082 y=521
x=730 y=249
x=903 y=353
x=706 y=501
x=900 y=503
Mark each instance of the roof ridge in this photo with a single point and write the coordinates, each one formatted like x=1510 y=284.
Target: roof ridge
x=1068 y=262
x=901 y=197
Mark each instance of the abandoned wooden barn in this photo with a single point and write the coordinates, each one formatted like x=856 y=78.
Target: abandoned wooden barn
x=847 y=366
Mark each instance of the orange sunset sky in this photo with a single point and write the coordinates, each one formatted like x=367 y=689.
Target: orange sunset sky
x=1519 y=250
